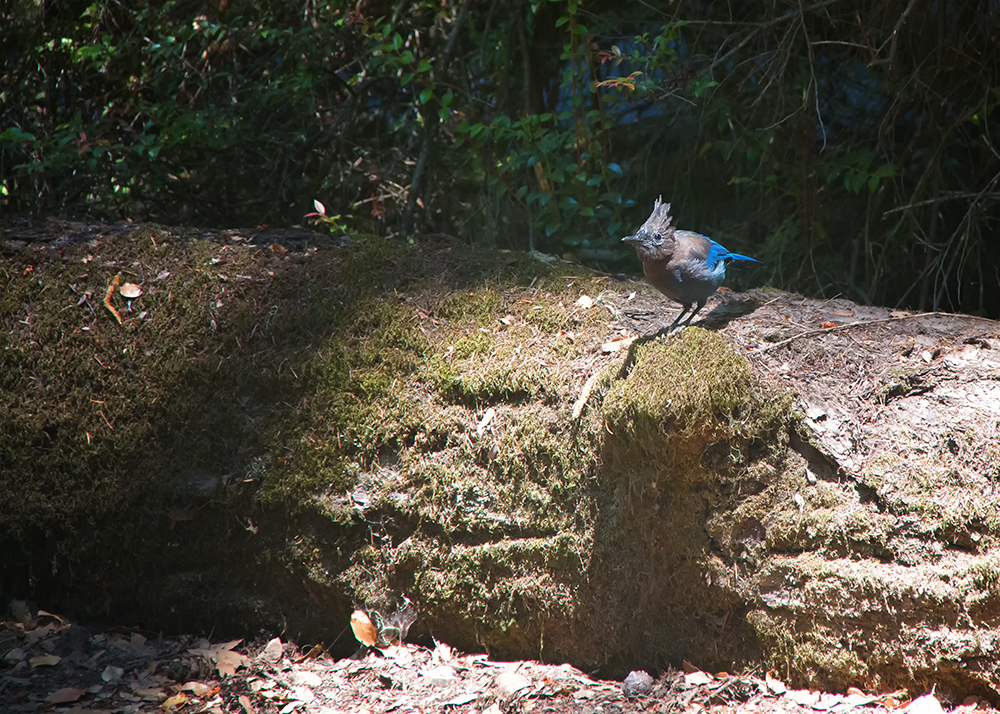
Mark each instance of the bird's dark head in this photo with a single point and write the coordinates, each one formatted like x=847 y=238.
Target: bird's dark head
x=655 y=230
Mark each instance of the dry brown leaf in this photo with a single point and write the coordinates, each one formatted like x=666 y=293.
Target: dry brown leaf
x=64 y=695
x=694 y=679
x=615 y=345
x=175 y=702
x=199 y=689
x=225 y=660
x=44 y=661
x=363 y=628
x=46 y=613
x=775 y=686
x=927 y=704
x=150 y=694
x=803 y=697
x=273 y=650
x=244 y=701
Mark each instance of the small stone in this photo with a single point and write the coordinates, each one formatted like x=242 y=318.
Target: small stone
x=440 y=675
x=510 y=683
x=637 y=683
x=307 y=678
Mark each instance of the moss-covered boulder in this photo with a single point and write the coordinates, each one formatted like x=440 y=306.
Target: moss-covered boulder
x=282 y=427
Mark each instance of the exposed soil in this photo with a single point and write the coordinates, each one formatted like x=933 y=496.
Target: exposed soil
x=53 y=665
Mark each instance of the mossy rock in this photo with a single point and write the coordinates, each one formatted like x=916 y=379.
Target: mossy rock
x=272 y=437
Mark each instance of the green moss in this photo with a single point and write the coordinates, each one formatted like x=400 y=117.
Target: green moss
x=684 y=394
x=480 y=306
x=548 y=317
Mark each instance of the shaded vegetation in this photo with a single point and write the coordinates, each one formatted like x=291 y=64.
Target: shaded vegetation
x=847 y=144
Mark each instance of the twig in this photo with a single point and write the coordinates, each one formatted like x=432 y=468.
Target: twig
x=107 y=298
x=862 y=323
x=588 y=387
x=812 y=75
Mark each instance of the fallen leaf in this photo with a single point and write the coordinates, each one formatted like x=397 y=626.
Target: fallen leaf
x=150 y=694
x=363 y=628
x=64 y=695
x=44 y=661
x=462 y=699
x=485 y=421
x=15 y=655
x=273 y=649
x=290 y=707
x=226 y=661
x=694 y=679
x=827 y=701
x=175 y=702
x=278 y=249
x=828 y=325
x=112 y=673
x=46 y=613
x=927 y=704
x=615 y=345
x=585 y=302
x=303 y=694
x=244 y=701
x=511 y=683
x=307 y=679
x=802 y=697
x=775 y=686
x=130 y=290
x=199 y=689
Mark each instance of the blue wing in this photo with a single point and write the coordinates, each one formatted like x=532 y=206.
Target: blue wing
x=703 y=248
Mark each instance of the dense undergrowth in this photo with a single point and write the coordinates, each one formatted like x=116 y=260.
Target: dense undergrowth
x=846 y=145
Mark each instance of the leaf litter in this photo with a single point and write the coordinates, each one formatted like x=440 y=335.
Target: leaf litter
x=116 y=671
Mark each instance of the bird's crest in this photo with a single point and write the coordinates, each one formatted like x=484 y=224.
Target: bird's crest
x=659 y=219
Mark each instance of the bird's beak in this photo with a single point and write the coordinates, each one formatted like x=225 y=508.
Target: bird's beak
x=631 y=239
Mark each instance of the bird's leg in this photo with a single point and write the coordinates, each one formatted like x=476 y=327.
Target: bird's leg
x=673 y=327
x=695 y=311
x=684 y=309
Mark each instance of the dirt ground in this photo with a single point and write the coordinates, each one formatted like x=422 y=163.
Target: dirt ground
x=50 y=664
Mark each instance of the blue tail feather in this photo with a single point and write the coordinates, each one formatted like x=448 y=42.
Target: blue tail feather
x=737 y=256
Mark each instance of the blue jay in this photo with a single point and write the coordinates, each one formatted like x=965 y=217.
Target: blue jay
x=683 y=265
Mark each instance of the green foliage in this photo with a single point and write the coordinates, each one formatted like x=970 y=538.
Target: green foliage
x=788 y=132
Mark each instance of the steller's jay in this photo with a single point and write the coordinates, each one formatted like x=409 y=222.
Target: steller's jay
x=683 y=265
